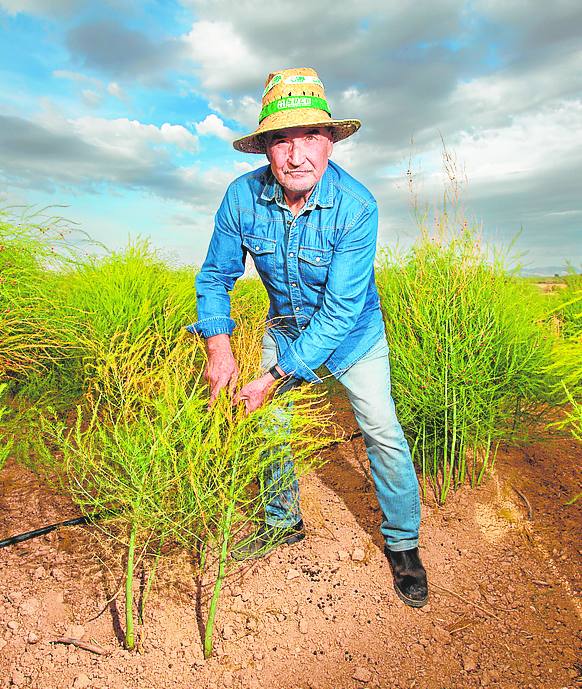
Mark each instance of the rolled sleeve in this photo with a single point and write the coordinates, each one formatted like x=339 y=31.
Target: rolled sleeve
x=215 y=325
x=350 y=272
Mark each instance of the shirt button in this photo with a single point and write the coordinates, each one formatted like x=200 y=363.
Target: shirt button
x=257 y=248
x=297 y=308
x=303 y=327
x=293 y=284
x=318 y=259
x=291 y=254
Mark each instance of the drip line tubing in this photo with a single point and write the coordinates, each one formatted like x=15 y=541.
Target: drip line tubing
x=47 y=529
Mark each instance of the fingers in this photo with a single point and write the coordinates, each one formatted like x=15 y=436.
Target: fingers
x=215 y=388
x=233 y=381
x=217 y=383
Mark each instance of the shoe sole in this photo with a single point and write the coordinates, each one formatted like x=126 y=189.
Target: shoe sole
x=412 y=602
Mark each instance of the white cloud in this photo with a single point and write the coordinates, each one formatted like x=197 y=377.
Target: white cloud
x=494 y=98
x=76 y=76
x=131 y=138
x=532 y=143
x=214 y=126
x=221 y=53
x=114 y=89
x=243 y=109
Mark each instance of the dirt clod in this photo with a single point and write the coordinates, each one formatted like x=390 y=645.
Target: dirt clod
x=58 y=574
x=75 y=631
x=81 y=681
x=228 y=632
x=470 y=663
x=362 y=674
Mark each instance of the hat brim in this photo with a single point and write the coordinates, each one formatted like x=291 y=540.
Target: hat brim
x=255 y=142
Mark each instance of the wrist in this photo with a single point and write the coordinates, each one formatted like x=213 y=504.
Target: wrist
x=277 y=373
x=218 y=343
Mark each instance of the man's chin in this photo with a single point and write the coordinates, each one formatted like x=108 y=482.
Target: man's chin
x=299 y=185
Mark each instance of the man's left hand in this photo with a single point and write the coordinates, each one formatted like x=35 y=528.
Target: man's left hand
x=255 y=393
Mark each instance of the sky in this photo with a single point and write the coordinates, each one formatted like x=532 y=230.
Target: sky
x=119 y=115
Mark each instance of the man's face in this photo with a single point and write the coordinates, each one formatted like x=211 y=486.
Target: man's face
x=299 y=156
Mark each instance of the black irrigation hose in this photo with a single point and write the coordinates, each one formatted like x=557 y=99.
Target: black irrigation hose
x=47 y=529
x=93 y=517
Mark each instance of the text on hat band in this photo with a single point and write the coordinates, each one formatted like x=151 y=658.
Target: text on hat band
x=294 y=103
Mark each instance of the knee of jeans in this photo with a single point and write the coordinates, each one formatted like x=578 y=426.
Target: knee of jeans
x=382 y=430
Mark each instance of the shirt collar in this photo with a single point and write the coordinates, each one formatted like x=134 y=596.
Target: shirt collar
x=322 y=195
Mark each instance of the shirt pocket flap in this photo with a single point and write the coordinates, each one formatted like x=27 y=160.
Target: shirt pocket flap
x=259 y=245
x=317 y=257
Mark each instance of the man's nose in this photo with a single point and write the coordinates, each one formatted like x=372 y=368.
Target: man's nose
x=296 y=154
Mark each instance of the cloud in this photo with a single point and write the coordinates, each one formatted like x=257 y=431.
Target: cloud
x=220 y=53
x=85 y=153
x=130 y=138
x=91 y=98
x=76 y=76
x=214 y=126
x=114 y=50
x=41 y=7
x=115 y=90
x=252 y=42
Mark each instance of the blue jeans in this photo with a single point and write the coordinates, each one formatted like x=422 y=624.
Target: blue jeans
x=367 y=383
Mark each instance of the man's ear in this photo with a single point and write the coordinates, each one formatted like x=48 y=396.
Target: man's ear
x=329 y=148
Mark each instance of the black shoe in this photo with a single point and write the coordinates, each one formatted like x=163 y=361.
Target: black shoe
x=409 y=576
x=265 y=539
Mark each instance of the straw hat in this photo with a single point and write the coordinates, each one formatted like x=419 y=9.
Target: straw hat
x=294 y=98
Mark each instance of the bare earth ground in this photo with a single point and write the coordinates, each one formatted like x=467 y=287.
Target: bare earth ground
x=503 y=564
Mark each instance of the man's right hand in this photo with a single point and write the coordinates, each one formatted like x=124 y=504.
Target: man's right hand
x=221 y=369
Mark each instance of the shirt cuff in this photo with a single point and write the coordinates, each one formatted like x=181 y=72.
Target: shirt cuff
x=294 y=366
x=215 y=325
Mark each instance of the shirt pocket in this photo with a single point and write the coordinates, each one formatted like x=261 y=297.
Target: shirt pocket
x=314 y=265
x=262 y=250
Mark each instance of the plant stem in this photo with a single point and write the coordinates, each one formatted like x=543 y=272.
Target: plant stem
x=129 y=635
x=218 y=583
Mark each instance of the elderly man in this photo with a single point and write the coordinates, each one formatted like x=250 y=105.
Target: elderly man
x=311 y=230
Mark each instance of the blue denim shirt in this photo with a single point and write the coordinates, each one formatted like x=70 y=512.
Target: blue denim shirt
x=317 y=268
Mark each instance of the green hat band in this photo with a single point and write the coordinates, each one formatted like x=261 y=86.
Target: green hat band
x=294 y=103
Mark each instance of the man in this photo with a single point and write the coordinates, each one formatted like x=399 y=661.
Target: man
x=311 y=230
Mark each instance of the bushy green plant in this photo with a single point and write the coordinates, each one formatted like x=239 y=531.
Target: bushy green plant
x=159 y=466
x=565 y=370
x=30 y=253
x=467 y=351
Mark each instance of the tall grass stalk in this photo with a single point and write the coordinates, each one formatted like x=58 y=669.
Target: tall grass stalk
x=5 y=443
